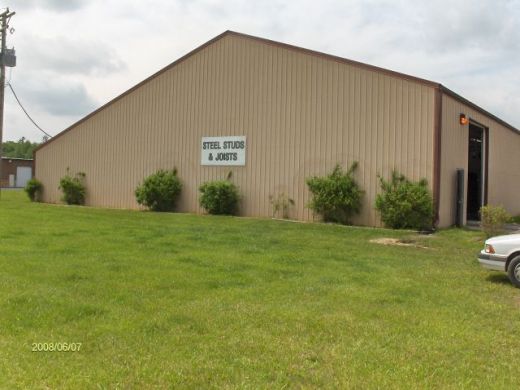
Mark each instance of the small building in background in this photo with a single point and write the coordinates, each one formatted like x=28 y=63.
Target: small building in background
x=16 y=172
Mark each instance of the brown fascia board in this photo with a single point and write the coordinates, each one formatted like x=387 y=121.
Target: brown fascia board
x=337 y=59
x=167 y=67
x=472 y=105
x=288 y=47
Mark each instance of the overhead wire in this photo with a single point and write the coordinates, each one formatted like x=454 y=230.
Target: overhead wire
x=25 y=111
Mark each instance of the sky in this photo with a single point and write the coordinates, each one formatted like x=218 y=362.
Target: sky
x=75 y=55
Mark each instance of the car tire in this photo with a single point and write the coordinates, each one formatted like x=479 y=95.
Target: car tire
x=513 y=271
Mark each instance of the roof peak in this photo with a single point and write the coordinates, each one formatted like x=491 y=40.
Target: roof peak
x=287 y=46
x=374 y=68
x=331 y=57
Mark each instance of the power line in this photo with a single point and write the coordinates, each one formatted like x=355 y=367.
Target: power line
x=26 y=113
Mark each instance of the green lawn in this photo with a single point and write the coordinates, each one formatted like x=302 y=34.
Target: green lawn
x=176 y=300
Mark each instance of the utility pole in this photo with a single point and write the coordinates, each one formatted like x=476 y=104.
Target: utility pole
x=4 y=60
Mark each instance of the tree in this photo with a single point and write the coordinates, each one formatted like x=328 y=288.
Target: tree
x=22 y=148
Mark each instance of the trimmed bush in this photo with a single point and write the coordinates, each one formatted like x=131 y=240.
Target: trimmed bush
x=159 y=191
x=337 y=196
x=73 y=188
x=493 y=219
x=404 y=204
x=33 y=188
x=219 y=197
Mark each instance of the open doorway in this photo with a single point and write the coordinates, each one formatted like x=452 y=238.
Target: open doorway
x=476 y=168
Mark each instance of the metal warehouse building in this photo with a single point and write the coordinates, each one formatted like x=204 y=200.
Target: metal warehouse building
x=292 y=113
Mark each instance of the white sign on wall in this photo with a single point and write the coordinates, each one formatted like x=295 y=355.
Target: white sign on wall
x=223 y=150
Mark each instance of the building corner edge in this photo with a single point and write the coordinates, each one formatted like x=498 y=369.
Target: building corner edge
x=437 y=138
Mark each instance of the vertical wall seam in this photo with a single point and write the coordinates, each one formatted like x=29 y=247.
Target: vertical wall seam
x=437 y=153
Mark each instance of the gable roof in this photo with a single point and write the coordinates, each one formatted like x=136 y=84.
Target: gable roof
x=331 y=57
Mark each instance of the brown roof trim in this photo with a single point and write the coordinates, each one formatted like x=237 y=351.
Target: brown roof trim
x=263 y=40
x=167 y=67
x=338 y=59
x=289 y=47
x=465 y=101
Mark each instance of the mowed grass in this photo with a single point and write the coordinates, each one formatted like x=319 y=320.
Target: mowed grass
x=185 y=301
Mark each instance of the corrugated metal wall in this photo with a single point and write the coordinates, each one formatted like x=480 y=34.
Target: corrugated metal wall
x=503 y=165
x=301 y=114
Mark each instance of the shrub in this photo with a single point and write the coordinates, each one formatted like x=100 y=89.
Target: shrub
x=404 y=204
x=73 y=188
x=159 y=191
x=493 y=219
x=515 y=219
x=281 y=203
x=33 y=188
x=219 y=197
x=337 y=196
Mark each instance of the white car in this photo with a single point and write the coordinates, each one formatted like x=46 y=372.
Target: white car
x=502 y=253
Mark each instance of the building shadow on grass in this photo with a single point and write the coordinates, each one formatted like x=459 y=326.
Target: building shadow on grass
x=499 y=278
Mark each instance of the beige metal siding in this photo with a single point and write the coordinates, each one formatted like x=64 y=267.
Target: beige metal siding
x=301 y=114
x=503 y=165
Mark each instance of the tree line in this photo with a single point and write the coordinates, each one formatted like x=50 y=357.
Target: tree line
x=22 y=148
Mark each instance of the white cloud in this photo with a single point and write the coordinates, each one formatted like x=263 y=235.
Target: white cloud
x=54 y=5
x=55 y=97
x=64 y=55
